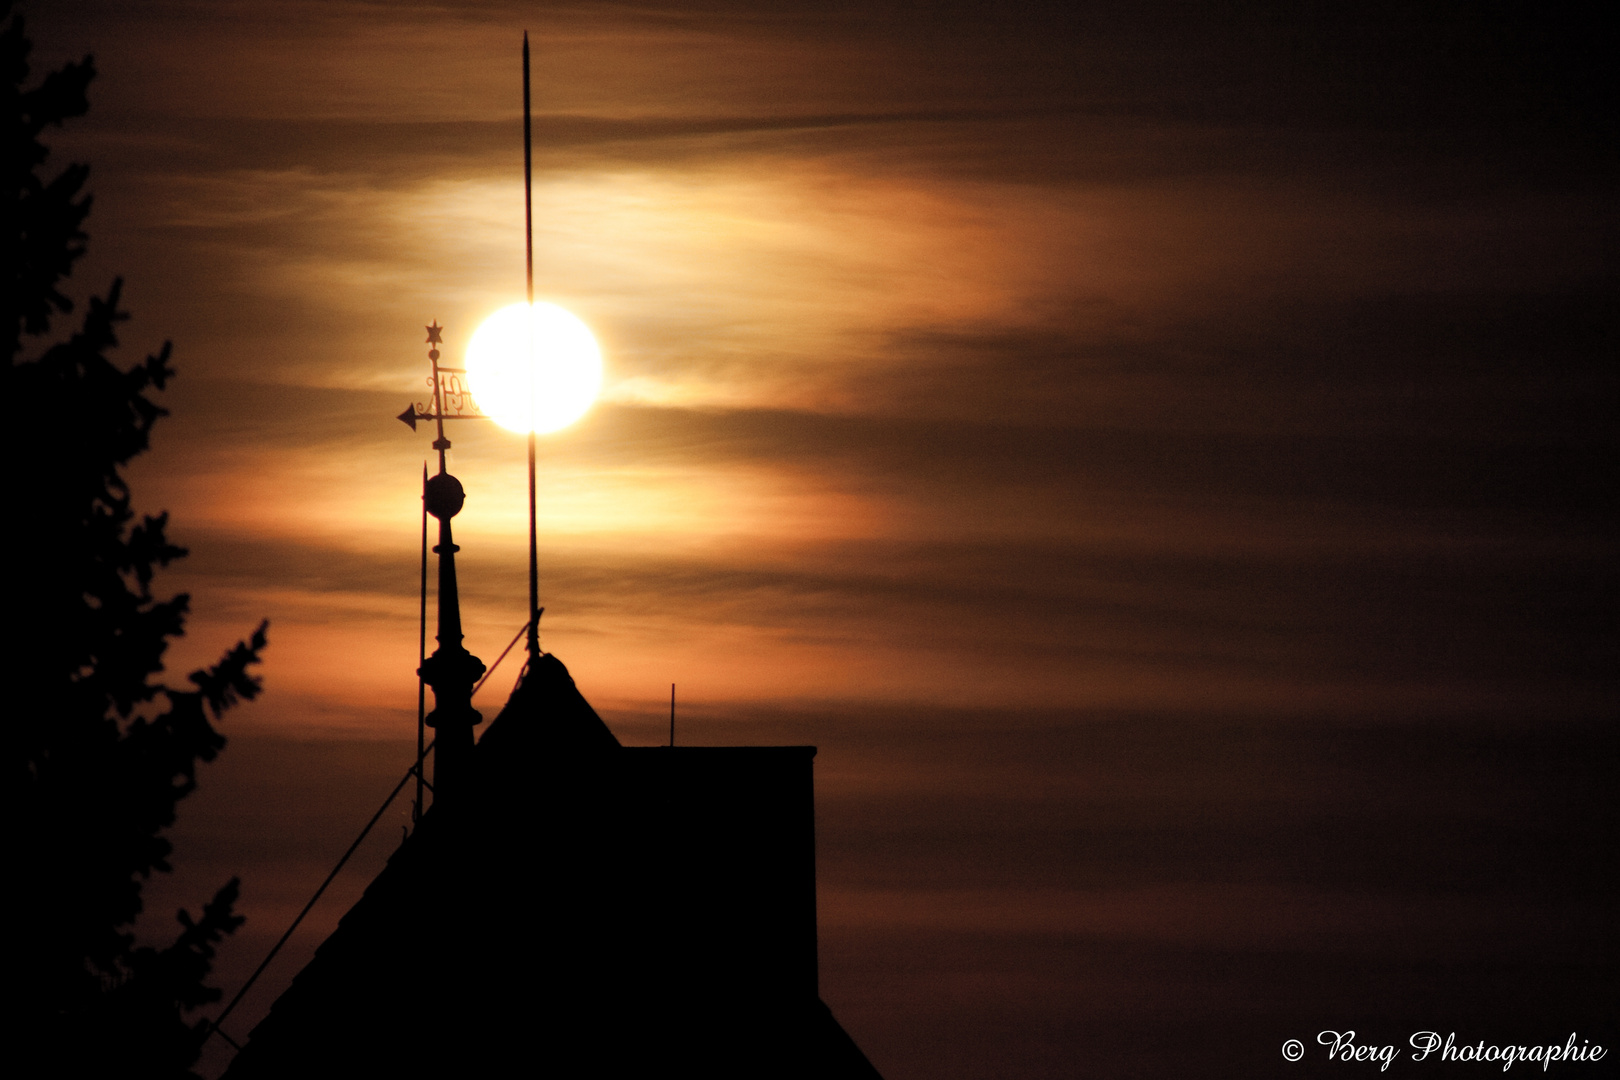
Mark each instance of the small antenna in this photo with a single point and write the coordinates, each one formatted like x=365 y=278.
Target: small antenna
x=672 y=716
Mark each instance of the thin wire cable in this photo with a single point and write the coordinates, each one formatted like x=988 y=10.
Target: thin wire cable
x=415 y=770
x=215 y=1026
x=499 y=658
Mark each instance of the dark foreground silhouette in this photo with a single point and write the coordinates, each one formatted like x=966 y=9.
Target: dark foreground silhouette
x=620 y=911
x=101 y=748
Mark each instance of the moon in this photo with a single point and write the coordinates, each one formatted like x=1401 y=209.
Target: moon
x=534 y=369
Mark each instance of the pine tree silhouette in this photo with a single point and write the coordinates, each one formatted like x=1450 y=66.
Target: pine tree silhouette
x=100 y=749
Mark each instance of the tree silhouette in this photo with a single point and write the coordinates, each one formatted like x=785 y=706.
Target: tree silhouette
x=100 y=749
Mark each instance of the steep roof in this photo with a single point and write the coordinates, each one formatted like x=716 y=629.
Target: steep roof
x=623 y=909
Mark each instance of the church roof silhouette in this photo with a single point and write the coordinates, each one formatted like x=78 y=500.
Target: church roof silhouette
x=583 y=907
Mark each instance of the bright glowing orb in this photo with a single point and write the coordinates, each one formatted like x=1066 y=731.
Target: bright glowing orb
x=534 y=370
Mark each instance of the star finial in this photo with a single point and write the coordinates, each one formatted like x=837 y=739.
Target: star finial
x=433 y=333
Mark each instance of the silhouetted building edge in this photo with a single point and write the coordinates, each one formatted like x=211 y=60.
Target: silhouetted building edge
x=609 y=910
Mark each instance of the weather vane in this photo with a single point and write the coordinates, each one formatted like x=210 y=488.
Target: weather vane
x=451 y=671
x=450 y=397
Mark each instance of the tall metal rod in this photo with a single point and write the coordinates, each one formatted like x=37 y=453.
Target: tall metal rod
x=421 y=657
x=528 y=264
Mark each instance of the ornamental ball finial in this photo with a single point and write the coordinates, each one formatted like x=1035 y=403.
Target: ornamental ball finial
x=444 y=496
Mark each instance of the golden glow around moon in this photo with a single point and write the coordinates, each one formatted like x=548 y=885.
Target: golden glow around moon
x=537 y=371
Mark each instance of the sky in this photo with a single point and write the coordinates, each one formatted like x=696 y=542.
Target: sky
x=1162 y=455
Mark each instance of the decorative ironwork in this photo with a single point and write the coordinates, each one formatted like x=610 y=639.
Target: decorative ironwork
x=449 y=397
x=456 y=396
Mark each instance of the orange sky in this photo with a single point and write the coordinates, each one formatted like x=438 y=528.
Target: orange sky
x=942 y=333
x=964 y=367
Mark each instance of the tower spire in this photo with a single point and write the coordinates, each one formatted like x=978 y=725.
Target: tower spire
x=451 y=671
